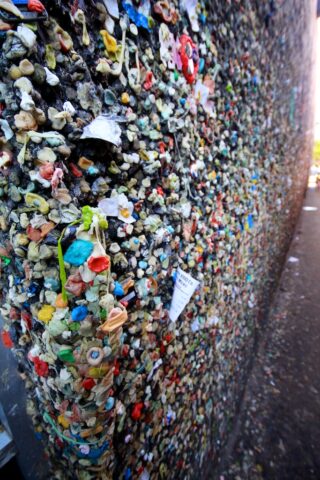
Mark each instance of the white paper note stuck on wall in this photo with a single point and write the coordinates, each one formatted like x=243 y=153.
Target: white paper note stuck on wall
x=183 y=290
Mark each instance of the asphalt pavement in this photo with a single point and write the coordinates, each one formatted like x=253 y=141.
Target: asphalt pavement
x=277 y=434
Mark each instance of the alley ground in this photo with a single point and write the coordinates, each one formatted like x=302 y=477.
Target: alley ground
x=30 y=462
x=277 y=435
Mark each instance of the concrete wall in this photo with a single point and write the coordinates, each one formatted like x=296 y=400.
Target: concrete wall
x=185 y=131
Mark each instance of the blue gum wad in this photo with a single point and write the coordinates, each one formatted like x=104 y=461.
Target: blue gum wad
x=79 y=313
x=138 y=18
x=78 y=252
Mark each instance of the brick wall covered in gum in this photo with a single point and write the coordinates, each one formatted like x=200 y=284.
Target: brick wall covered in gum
x=138 y=139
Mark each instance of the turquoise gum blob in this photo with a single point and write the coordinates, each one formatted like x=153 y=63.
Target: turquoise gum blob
x=78 y=252
x=52 y=284
x=109 y=404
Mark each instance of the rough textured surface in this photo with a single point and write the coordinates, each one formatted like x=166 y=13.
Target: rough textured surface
x=164 y=140
x=278 y=431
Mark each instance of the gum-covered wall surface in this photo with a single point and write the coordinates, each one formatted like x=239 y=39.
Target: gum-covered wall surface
x=153 y=160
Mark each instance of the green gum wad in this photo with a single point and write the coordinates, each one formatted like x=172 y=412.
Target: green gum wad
x=66 y=355
x=5 y=260
x=74 y=326
x=87 y=217
x=50 y=57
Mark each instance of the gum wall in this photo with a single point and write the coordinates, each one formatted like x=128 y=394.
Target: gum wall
x=154 y=157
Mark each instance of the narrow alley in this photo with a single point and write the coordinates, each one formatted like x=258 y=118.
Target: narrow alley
x=278 y=430
x=154 y=158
